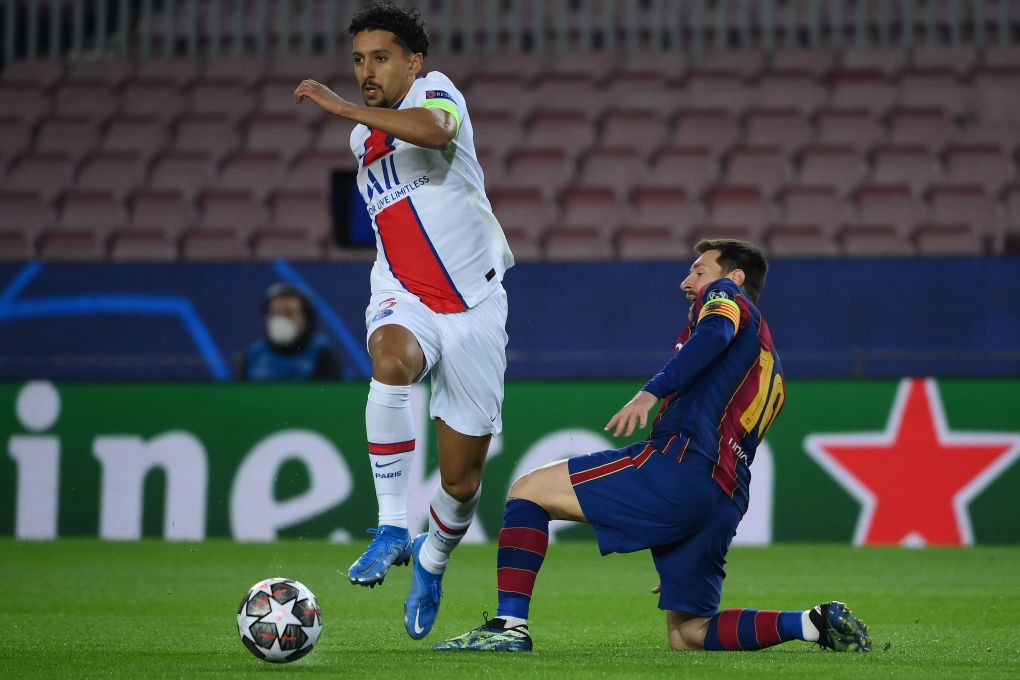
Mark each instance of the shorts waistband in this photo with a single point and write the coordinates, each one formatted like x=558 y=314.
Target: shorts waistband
x=677 y=449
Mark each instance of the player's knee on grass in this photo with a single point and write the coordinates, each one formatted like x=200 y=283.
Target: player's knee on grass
x=685 y=632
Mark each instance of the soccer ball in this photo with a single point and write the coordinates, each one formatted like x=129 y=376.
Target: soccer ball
x=279 y=620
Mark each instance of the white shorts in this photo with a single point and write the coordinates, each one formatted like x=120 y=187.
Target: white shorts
x=466 y=352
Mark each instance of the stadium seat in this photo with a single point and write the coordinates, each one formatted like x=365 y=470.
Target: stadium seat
x=99 y=211
x=39 y=75
x=931 y=128
x=819 y=205
x=212 y=134
x=117 y=172
x=72 y=245
x=714 y=129
x=737 y=205
x=947 y=240
x=576 y=243
x=276 y=96
x=593 y=66
x=524 y=244
x=496 y=131
x=214 y=245
x=937 y=89
x=764 y=167
x=176 y=72
x=288 y=244
x=523 y=211
x=651 y=243
x=1000 y=56
x=621 y=168
x=721 y=230
x=654 y=93
x=167 y=210
x=666 y=66
x=522 y=67
x=662 y=209
x=873 y=240
x=904 y=164
x=85 y=100
x=981 y=164
x=590 y=207
x=142 y=245
x=960 y=59
x=302 y=210
x=717 y=90
x=1004 y=136
x=889 y=204
x=841 y=167
x=563 y=92
x=547 y=170
x=236 y=211
x=500 y=95
x=226 y=99
x=566 y=130
x=746 y=63
x=16 y=246
x=297 y=67
x=245 y=71
x=75 y=136
x=335 y=137
x=857 y=128
x=688 y=168
x=47 y=173
x=867 y=90
x=259 y=172
x=25 y=212
x=790 y=89
x=189 y=172
x=15 y=138
x=313 y=170
x=888 y=61
x=282 y=133
x=786 y=128
x=643 y=131
x=814 y=61
x=141 y=134
x=493 y=166
x=459 y=68
x=160 y=100
x=966 y=204
x=23 y=103
x=107 y=74
x=799 y=240
x=994 y=95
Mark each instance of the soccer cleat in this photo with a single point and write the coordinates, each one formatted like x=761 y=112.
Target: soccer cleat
x=492 y=636
x=422 y=604
x=838 y=628
x=391 y=545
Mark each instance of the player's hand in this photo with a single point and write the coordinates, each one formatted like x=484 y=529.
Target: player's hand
x=325 y=98
x=634 y=414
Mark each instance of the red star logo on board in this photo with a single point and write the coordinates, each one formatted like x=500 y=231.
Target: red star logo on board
x=916 y=479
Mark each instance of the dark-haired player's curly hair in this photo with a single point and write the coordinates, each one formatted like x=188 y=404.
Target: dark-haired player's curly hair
x=403 y=22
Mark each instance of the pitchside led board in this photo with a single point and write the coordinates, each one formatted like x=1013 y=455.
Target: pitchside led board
x=912 y=462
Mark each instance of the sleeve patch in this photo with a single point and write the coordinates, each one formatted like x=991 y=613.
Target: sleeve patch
x=723 y=307
x=437 y=94
x=718 y=294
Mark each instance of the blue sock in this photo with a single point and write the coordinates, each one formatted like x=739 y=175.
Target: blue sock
x=748 y=629
x=523 y=541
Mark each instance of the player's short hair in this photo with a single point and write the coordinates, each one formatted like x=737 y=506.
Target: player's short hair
x=405 y=23
x=734 y=254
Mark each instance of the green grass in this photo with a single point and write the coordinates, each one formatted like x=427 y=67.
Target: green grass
x=84 y=608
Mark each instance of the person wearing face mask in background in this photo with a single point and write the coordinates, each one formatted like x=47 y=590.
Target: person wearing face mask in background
x=291 y=348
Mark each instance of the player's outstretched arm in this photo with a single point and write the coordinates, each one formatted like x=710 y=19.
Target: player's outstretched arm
x=431 y=128
x=633 y=415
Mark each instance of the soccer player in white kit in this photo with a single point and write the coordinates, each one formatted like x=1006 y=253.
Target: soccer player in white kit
x=437 y=302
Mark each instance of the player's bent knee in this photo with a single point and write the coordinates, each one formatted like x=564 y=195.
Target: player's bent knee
x=685 y=632
x=393 y=369
x=462 y=489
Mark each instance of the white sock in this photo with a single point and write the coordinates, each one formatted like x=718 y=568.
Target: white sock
x=811 y=634
x=512 y=621
x=449 y=520
x=389 y=425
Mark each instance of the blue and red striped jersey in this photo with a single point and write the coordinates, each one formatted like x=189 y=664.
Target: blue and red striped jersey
x=722 y=389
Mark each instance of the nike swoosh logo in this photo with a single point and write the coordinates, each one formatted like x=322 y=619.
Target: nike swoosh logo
x=418 y=630
x=382 y=465
x=365 y=153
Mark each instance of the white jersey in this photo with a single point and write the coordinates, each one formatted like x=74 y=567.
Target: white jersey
x=434 y=227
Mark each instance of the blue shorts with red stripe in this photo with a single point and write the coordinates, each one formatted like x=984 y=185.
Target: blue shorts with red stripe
x=638 y=498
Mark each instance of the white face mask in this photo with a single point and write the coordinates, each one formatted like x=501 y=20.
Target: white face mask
x=281 y=330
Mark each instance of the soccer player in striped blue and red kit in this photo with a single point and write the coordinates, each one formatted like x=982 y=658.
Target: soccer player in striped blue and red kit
x=681 y=492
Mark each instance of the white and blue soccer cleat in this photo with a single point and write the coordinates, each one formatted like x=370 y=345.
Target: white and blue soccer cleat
x=839 y=629
x=391 y=545
x=422 y=604
x=492 y=636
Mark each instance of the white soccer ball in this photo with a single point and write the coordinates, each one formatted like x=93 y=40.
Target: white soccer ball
x=279 y=620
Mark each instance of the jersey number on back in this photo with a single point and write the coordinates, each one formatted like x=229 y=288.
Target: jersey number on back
x=766 y=404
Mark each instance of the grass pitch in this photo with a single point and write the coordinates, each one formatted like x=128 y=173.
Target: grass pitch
x=85 y=608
